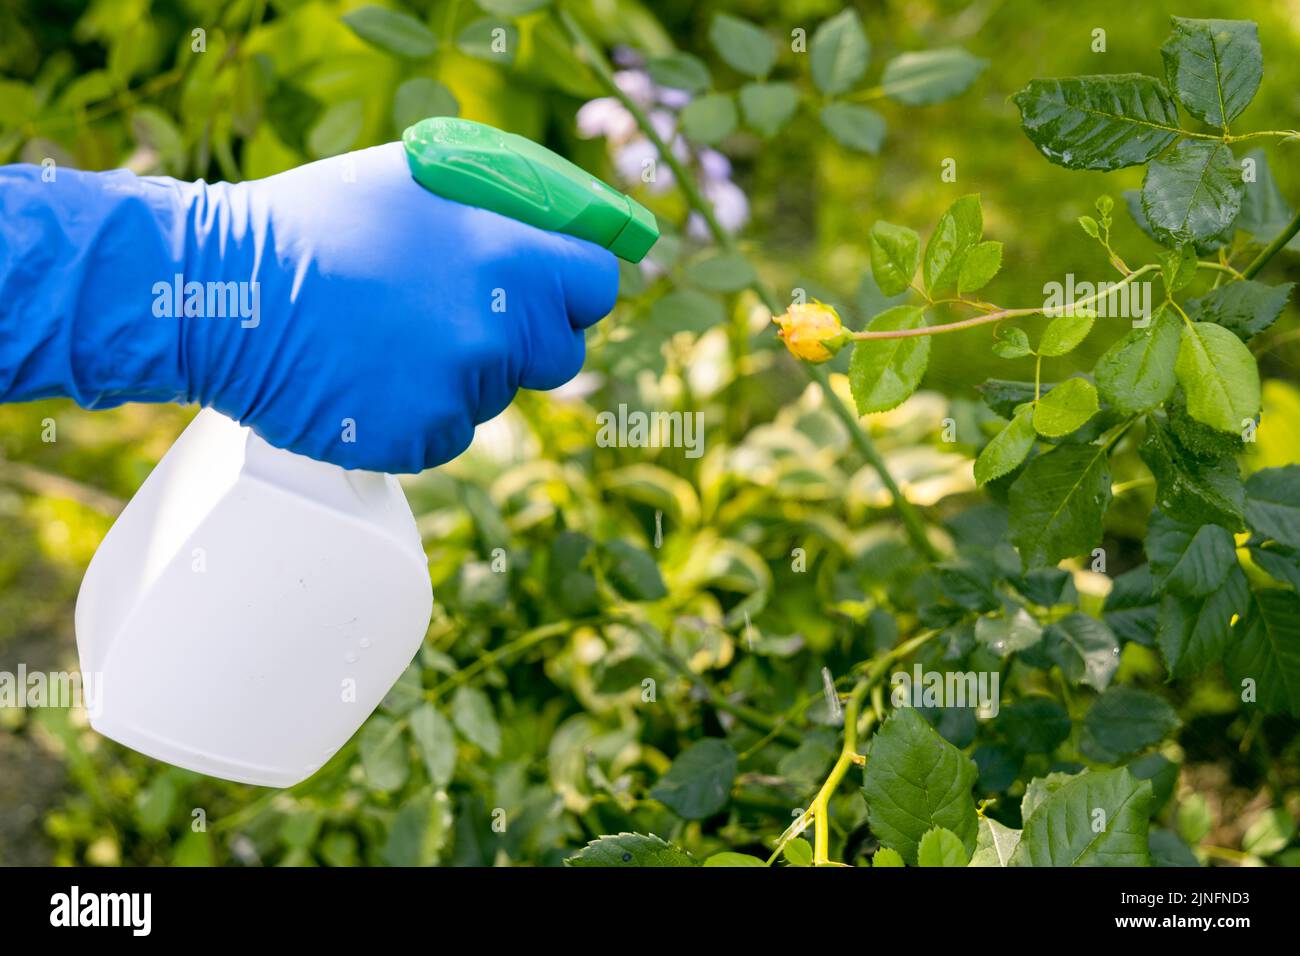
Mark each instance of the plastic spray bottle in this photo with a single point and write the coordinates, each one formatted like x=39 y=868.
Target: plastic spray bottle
x=251 y=607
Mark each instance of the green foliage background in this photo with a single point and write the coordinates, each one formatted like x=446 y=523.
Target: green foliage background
x=527 y=702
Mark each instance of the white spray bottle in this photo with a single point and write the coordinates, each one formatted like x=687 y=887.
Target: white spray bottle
x=251 y=607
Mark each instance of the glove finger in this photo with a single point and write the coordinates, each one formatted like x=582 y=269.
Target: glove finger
x=556 y=360
x=590 y=278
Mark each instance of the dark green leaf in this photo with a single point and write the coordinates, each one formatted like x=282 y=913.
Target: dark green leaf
x=630 y=849
x=1084 y=648
x=885 y=372
x=930 y=76
x=1215 y=67
x=1273 y=504
x=420 y=830
x=1189 y=489
x=392 y=31
x=1036 y=725
x=1268 y=651
x=914 y=781
x=853 y=126
x=1124 y=721
x=1264 y=210
x=1058 y=502
x=1193 y=193
x=1015 y=631
x=686 y=310
x=1278 y=562
x=1099 y=122
x=840 y=52
x=383 y=752
x=1167 y=850
x=1245 y=307
x=437 y=742
x=471 y=711
x=1132 y=610
x=724 y=272
x=633 y=572
x=1188 y=560
x=1195 y=633
x=698 y=784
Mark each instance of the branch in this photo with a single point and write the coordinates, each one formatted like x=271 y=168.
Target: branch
x=907 y=513
x=1272 y=249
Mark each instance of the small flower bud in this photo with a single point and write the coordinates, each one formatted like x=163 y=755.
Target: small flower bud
x=812 y=331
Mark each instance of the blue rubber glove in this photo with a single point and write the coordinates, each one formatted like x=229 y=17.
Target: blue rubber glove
x=371 y=323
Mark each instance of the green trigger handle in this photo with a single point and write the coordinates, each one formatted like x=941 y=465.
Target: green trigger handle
x=482 y=166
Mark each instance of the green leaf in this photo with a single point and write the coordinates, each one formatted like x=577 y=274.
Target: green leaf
x=1084 y=648
x=1065 y=408
x=730 y=859
x=1189 y=489
x=1264 y=210
x=1007 y=634
x=887 y=857
x=958 y=231
x=1124 y=721
x=1132 y=610
x=854 y=127
x=631 y=849
x=709 y=118
x=1099 y=122
x=1008 y=448
x=940 y=847
x=1177 y=268
x=996 y=844
x=1064 y=333
x=1244 y=307
x=1188 y=560
x=1058 y=502
x=1195 y=820
x=337 y=129
x=840 y=52
x=1035 y=725
x=1137 y=372
x=1098 y=818
x=437 y=743
x=686 y=310
x=1193 y=193
x=420 y=98
x=916 y=780
x=1195 y=633
x=930 y=76
x=1273 y=504
x=512 y=8
x=680 y=71
x=1219 y=376
x=1168 y=850
x=1039 y=789
x=768 y=106
x=798 y=852
x=885 y=372
x=392 y=31
x=724 y=272
x=1267 y=653
x=1215 y=66
x=382 y=747
x=742 y=46
x=895 y=254
x=1270 y=832
x=634 y=573
x=1280 y=563
x=420 y=830
x=481 y=39
x=981 y=265
x=471 y=711
x=698 y=784
x=1012 y=343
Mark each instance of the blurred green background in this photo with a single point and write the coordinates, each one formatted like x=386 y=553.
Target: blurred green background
x=569 y=746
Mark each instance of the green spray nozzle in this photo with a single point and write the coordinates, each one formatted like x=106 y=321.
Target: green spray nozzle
x=482 y=166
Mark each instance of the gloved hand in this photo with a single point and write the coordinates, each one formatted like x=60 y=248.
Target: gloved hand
x=372 y=324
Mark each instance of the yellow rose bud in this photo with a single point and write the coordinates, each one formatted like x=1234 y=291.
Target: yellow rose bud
x=812 y=331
